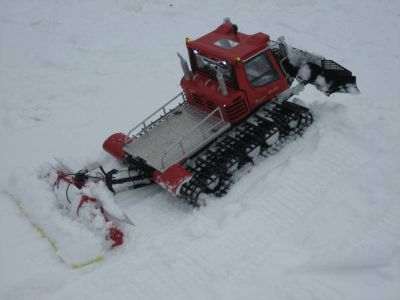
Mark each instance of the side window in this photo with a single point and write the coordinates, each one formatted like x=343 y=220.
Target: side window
x=259 y=71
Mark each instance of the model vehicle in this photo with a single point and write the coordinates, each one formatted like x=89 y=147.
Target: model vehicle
x=237 y=102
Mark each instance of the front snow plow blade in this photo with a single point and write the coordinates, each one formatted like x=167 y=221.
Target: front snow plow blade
x=326 y=75
x=330 y=77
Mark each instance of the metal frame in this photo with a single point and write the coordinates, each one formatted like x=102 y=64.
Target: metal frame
x=168 y=109
x=254 y=55
x=144 y=128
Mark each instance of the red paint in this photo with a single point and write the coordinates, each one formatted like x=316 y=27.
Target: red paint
x=172 y=178
x=114 y=233
x=243 y=98
x=247 y=44
x=61 y=176
x=85 y=199
x=204 y=94
x=115 y=144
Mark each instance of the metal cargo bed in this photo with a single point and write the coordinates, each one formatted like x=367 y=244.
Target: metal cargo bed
x=174 y=132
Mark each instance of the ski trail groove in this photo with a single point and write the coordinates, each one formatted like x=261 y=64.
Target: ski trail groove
x=268 y=215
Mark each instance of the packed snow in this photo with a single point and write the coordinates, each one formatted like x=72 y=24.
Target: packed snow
x=318 y=220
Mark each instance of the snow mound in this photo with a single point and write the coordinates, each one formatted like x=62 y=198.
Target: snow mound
x=72 y=241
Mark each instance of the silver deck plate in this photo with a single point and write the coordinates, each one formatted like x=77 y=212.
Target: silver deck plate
x=180 y=134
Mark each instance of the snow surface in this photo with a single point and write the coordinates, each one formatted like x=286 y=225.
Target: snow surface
x=319 y=220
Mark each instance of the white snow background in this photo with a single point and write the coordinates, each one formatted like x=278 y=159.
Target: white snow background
x=319 y=220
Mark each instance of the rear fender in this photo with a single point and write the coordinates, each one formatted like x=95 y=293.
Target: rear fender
x=114 y=145
x=173 y=178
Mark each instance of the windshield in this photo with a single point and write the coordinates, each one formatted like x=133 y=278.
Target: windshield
x=210 y=67
x=260 y=71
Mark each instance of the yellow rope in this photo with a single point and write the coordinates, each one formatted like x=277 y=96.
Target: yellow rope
x=43 y=234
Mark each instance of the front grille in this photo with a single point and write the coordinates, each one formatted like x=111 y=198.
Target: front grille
x=236 y=109
x=197 y=99
x=204 y=103
x=211 y=105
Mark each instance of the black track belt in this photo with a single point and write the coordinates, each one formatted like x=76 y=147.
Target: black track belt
x=214 y=167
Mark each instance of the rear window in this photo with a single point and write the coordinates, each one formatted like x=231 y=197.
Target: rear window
x=260 y=71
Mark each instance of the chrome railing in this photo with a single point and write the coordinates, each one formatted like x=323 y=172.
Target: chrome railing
x=152 y=120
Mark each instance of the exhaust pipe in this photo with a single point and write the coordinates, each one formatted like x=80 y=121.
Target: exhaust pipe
x=221 y=82
x=185 y=67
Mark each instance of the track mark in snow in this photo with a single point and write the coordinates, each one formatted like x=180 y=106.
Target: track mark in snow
x=299 y=190
x=280 y=206
x=273 y=210
x=310 y=288
x=381 y=238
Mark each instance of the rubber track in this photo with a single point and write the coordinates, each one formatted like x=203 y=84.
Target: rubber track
x=214 y=166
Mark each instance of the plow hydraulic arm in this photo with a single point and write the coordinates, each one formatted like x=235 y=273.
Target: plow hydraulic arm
x=137 y=181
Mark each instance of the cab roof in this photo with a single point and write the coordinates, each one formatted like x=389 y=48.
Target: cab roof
x=225 y=43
